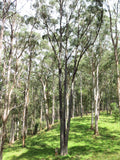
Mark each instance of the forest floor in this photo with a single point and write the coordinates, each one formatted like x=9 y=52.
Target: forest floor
x=83 y=145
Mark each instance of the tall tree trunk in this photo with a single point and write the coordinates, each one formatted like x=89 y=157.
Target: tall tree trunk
x=12 y=132
x=69 y=119
x=58 y=112
x=41 y=115
x=65 y=106
x=46 y=107
x=93 y=93
x=81 y=103
x=61 y=113
x=2 y=136
x=25 y=115
x=92 y=114
x=73 y=109
x=26 y=101
x=118 y=78
x=17 y=131
x=67 y=109
x=96 y=96
x=53 y=104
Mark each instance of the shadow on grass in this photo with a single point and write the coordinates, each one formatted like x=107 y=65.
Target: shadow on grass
x=106 y=143
x=35 y=153
x=82 y=142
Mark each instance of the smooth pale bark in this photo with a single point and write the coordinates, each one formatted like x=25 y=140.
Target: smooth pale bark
x=12 y=132
x=26 y=101
x=67 y=111
x=41 y=115
x=25 y=116
x=93 y=92
x=17 y=130
x=46 y=104
x=46 y=109
x=96 y=98
x=92 y=114
x=53 y=104
x=73 y=110
x=81 y=103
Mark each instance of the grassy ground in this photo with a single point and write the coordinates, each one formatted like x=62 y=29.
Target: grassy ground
x=83 y=145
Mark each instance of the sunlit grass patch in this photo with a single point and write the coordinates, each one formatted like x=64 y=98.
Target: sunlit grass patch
x=82 y=144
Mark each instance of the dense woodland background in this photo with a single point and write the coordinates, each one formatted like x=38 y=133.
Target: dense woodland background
x=61 y=62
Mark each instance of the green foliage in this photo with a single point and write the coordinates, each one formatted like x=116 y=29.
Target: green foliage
x=116 y=114
x=113 y=105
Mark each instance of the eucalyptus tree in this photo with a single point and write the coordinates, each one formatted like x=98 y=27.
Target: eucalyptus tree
x=114 y=16
x=6 y=16
x=97 y=53
x=108 y=79
x=47 y=77
x=30 y=53
x=11 y=67
x=72 y=30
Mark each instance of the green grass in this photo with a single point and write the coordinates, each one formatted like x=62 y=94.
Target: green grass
x=83 y=145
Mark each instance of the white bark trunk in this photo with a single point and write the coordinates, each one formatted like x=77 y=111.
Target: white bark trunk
x=67 y=111
x=53 y=105
x=73 y=111
x=81 y=104
x=46 y=106
x=17 y=130
x=12 y=133
x=96 y=96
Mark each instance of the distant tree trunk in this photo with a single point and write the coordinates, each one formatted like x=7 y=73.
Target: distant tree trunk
x=41 y=115
x=96 y=97
x=46 y=108
x=12 y=132
x=93 y=92
x=81 y=103
x=73 y=109
x=58 y=113
x=92 y=115
x=25 y=115
x=53 y=105
x=26 y=101
x=118 y=75
x=17 y=130
x=67 y=110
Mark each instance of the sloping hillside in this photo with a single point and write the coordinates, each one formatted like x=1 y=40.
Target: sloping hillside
x=83 y=145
